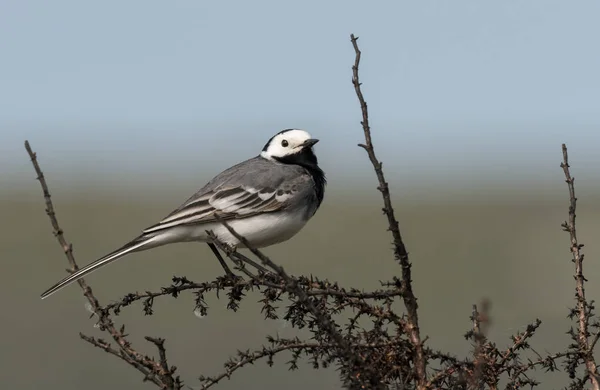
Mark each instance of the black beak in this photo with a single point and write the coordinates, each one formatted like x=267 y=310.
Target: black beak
x=309 y=142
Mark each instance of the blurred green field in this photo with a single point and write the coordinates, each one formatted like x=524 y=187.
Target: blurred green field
x=465 y=246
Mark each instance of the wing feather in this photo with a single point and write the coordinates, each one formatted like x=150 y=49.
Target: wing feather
x=227 y=203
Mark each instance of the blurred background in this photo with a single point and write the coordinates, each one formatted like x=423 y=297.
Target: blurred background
x=132 y=106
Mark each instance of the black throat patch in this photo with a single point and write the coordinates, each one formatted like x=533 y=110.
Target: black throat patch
x=308 y=160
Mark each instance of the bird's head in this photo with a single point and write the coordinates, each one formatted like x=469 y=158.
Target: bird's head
x=291 y=146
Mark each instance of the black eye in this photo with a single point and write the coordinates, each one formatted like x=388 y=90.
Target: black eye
x=284 y=143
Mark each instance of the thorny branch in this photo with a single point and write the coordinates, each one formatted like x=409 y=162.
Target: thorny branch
x=584 y=308
x=480 y=325
x=352 y=361
x=313 y=288
x=278 y=346
x=158 y=373
x=400 y=252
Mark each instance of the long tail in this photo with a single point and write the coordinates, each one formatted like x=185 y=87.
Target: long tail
x=140 y=243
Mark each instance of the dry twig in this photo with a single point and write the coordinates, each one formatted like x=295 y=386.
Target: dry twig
x=583 y=308
x=400 y=252
x=158 y=373
x=353 y=362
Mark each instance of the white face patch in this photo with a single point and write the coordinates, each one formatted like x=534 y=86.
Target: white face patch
x=286 y=143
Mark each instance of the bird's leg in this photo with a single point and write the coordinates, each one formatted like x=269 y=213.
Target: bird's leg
x=245 y=259
x=223 y=263
x=254 y=264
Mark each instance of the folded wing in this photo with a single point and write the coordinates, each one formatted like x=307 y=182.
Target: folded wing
x=226 y=203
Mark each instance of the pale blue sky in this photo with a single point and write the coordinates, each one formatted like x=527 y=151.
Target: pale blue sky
x=174 y=86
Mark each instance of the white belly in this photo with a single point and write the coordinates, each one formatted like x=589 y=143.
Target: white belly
x=261 y=231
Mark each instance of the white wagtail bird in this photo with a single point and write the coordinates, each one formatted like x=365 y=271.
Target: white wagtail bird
x=266 y=199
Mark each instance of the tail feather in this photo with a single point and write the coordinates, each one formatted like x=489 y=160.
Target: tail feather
x=140 y=243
